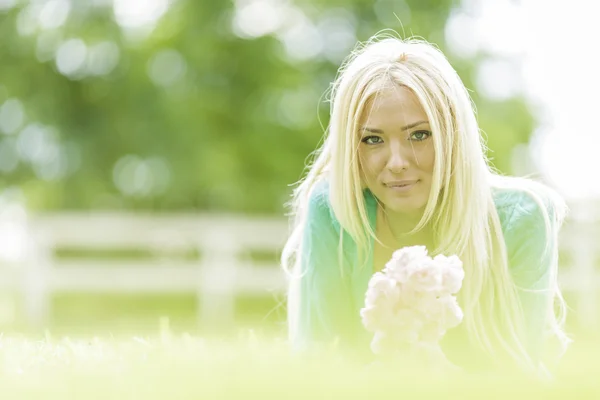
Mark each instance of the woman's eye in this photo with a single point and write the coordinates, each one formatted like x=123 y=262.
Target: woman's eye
x=420 y=135
x=372 y=140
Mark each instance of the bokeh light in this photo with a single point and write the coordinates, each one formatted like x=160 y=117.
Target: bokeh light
x=139 y=13
x=12 y=116
x=70 y=57
x=166 y=67
x=102 y=58
x=54 y=13
x=138 y=177
x=6 y=5
x=499 y=79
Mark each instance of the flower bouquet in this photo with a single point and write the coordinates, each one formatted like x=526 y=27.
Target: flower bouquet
x=411 y=304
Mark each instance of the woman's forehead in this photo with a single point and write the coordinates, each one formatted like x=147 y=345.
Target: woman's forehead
x=392 y=104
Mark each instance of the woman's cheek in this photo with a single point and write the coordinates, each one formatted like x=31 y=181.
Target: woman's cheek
x=427 y=158
x=370 y=168
x=378 y=163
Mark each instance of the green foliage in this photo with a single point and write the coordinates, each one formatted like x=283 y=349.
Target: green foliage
x=233 y=130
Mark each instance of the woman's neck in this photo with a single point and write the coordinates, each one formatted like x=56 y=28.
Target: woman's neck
x=398 y=227
x=401 y=223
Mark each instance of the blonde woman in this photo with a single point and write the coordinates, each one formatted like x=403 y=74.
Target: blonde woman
x=403 y=163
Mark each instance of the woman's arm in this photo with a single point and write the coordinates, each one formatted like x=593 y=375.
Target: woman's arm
x=319 y=301
x=532 y=251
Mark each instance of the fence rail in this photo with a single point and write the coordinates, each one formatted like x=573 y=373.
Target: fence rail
x=222 y=268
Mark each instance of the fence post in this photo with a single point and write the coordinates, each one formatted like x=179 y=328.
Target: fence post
x=584 y=252
x=217 y=286
x=36 y=285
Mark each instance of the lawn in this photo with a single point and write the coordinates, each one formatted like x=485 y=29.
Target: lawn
x=182 y=366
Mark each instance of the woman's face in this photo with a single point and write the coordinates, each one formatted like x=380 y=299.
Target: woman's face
x=396 y=150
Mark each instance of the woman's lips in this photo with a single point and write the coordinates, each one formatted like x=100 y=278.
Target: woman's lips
x=401 y=186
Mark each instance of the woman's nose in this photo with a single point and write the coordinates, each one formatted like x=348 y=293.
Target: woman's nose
x=398 y=159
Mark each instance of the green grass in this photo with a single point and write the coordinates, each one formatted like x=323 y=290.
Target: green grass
x=181 y=366
x=109 y=347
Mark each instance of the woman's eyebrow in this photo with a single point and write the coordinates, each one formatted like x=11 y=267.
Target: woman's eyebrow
x=371 y=130
x=414 y=124
x=380 y=131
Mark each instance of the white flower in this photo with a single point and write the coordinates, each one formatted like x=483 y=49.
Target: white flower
x=382 y=290
x=407 y=324
x=453 y=273
x=431 y=332
x=403 y=262
x=411 y=301
x=377 y=318
x=425 y=277
x=428 y=304
x=446 y=315
x=451 y=314
x=381 y=299
x=408 y=297
x=408 y=254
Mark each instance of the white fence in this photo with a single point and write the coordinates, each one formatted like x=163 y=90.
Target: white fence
x=579 y=273
x=222 y=272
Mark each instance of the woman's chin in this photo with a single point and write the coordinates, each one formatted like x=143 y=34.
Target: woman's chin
x=404 y=206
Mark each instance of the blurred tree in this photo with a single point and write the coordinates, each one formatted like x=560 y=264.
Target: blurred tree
x=215 y=105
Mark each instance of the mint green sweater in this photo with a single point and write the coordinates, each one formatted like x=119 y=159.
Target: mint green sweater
x=330 y=302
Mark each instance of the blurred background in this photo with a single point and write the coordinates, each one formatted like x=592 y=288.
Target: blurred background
x=147 y=146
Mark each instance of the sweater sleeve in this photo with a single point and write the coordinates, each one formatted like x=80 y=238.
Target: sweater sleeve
x=532 y=251
x=319 y=298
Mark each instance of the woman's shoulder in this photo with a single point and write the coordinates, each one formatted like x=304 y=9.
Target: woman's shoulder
x=319 y=195
x=319 y=205
x=530 y=215
x=513 y=204
x=523 y=202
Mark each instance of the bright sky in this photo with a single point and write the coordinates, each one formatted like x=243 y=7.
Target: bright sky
x=563 y=70
x=552 y=48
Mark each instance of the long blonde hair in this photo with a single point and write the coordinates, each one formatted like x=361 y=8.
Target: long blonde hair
x=461 y=204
